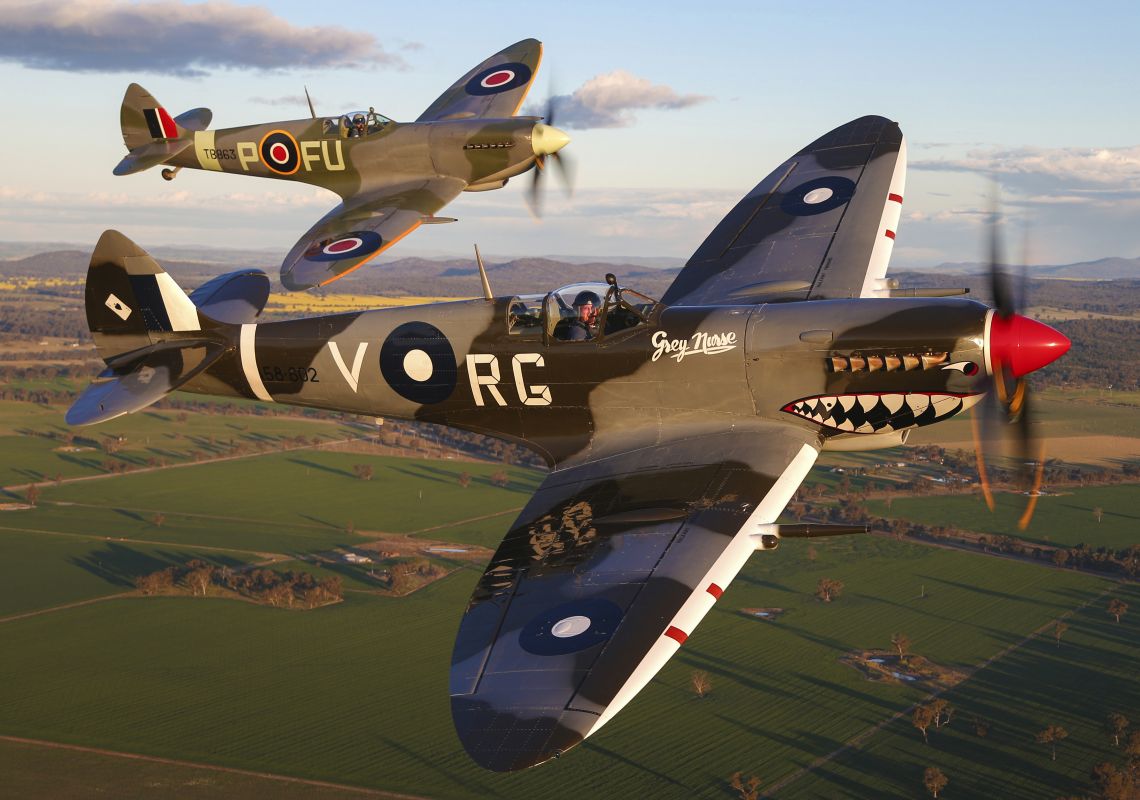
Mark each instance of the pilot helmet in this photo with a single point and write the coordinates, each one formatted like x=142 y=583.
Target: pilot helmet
x=586 y=297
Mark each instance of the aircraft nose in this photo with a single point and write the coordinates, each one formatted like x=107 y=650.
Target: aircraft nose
x=1023 y=345
x=546 y=140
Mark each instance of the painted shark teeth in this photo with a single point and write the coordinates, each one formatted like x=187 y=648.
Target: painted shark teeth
x=879 y=413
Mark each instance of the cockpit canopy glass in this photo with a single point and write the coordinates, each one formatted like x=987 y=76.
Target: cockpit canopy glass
x=355 y=124
x=579 y=312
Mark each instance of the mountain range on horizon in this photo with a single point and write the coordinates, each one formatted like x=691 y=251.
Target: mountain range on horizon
x=457 y=276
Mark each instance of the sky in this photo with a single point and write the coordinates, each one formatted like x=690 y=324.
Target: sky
x=675 y=110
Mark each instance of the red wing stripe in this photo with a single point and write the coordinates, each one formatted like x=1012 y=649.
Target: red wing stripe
x=715 y=590
x=890 y=234
x=895 y=197
x=677 y=634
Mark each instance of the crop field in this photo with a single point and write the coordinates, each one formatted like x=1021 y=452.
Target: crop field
x=356 y=693
x=1065 y=518
x=1092 y=670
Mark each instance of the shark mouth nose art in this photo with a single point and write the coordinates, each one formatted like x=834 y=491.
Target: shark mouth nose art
x=879 y=413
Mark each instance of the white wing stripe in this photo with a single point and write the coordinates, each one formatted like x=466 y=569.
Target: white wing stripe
x=722 y=572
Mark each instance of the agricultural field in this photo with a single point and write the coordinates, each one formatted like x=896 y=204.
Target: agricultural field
x=1065 y=518
x=355 y=694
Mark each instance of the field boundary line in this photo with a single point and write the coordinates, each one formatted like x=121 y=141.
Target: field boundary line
x=96 y=537
x=64 y=607
x=215 y=767
x=49 y=483
x=857 y=740
x=418 y=531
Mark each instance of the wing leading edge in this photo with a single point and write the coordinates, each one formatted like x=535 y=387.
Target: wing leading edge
x=822 y=225
x=600 y=580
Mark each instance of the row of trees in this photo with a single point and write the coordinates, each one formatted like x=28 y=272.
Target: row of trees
x=280 y=589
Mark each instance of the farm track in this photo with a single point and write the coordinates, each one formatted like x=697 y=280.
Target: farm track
x=859 y=739
x=141 y=470
x=64 y=607
x=213 y=767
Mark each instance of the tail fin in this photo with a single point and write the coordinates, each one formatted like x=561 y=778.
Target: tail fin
x=146 y=329
x=151 y=135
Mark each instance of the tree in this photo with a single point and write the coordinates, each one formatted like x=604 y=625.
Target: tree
x=1117 y=608
x=1098 y=513
x=32 y=495
x=747 y=789
x=1116 y=784
x=943 y=712
x=198 y=579
x=1051 y=736
x=363 y=471
x=812 y=553
x=1115 y=725
x=1059 y=629
x=500 y=479
x=828 y=589
x=1060 y=556
x=922 y=717
x=902 y=643
x=934 y=780
x=158 y=519
x=465 y=479
x=700 y=683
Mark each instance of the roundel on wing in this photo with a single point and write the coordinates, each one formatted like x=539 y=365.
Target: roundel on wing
x=818 y=196
x=418 y=363
x=571 y=627
x=353 y=244
x=500 y=78
x=279 y=152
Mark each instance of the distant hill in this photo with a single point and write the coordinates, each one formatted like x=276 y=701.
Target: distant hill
x=1103 y=269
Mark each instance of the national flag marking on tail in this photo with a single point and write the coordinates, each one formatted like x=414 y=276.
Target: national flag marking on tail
x=160 y=124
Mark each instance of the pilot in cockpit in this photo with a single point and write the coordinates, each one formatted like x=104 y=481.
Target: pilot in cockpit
x=584 y=325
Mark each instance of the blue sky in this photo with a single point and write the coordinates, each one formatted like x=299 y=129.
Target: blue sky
x=1040 y=95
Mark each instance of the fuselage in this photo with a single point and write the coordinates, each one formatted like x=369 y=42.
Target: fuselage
x=859 y=372
x=481 y=152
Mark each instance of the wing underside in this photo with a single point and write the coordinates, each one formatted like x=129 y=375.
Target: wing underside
x=822 y=225
x=495 y=88
x=361 y=228
x=602 y=577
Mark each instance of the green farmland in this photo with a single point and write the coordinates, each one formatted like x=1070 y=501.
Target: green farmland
x=1065 y=518
x=356 y=693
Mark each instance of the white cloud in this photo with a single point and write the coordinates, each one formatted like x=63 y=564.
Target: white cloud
x=174 y=37
x=610 y=100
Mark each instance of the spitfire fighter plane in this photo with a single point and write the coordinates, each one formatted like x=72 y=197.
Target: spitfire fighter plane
x=391 y=177
x=676 y=430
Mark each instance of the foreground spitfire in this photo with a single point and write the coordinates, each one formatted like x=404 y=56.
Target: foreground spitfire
x=392 y=177
x=676 y=430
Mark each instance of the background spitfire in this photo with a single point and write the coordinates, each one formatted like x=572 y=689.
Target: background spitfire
x=392 y=177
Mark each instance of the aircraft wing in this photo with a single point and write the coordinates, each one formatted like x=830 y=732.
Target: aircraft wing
x=495 y=88
x=822 y=225
x=362 y=227
x=600 y=580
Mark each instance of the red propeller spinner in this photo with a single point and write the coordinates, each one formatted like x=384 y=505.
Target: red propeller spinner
x=1019 y=345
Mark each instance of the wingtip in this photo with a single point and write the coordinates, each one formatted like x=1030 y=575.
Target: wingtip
x=509 y=741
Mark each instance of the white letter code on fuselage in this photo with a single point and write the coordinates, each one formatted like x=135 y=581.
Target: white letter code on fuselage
x=483 y=373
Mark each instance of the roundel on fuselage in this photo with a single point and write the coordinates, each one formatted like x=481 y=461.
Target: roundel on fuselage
x=818 y=196
x=500 y=78
x=279 y=152
x=418 y=363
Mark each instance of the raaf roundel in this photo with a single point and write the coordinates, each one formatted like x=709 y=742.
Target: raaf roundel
x=676 y=431
x=391 y=177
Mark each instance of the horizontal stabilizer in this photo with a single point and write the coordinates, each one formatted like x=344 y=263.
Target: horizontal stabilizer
x=237 y=297
x=145 y=380
x=196 y=119
x=150 y=155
